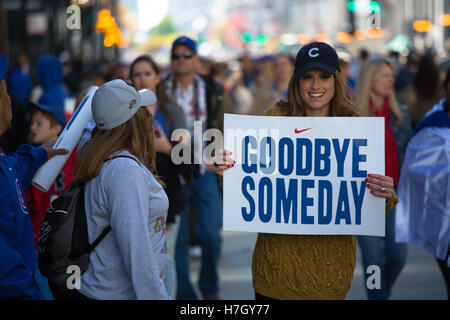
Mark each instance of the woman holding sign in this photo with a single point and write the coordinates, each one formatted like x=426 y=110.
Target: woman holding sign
x=312 y=266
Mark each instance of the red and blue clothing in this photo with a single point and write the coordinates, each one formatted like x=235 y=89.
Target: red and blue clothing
x=390 y=153
x=17 y=248
x=39 y=201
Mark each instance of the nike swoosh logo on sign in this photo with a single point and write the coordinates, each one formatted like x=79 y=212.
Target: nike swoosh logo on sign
x=299 y=131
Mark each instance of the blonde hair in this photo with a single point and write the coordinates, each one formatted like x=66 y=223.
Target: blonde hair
x=136 y=136
x=340 y=105
x=368 y=70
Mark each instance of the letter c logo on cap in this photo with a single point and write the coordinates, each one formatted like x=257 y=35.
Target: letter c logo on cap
x=311 y=54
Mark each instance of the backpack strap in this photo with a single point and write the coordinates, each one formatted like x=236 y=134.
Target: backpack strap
x=99 y=238
x=108 y=228
x=121 y=156
x=79 y=233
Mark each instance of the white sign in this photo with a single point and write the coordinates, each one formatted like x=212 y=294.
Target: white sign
x=68 y=139
x=303 y=175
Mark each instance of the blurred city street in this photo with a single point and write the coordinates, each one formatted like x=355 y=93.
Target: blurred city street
x=184 y=80
x=419 y=280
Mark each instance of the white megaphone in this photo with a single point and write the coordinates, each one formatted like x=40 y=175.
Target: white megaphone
x=68 y=139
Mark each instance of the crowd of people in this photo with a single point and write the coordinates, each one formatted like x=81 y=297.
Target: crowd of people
x=157 y=209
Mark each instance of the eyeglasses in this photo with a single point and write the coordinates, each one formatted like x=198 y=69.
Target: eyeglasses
x=186 y=56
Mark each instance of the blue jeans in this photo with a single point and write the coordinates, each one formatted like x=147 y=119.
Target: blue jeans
x=386 y=254
x=170 y=278
x=207 y=199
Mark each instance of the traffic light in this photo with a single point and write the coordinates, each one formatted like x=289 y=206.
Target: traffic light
x=246 y=37
x=374 y=6
x=351 y=5
x=262 y=39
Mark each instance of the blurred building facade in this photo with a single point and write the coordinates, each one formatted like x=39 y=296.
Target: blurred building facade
x=64 y=28
x=37 y=26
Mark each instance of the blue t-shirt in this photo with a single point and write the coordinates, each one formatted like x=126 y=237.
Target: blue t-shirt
x=160 y=121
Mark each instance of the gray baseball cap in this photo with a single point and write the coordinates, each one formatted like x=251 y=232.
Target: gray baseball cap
x=116 y=102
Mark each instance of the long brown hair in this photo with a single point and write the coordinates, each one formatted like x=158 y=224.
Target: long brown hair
x=136 y=136
x=340 y=105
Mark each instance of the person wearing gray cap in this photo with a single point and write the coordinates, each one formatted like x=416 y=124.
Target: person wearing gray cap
x=17 y=169
x=123 y=192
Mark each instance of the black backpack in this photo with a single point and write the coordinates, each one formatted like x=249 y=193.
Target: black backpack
x=63 y=239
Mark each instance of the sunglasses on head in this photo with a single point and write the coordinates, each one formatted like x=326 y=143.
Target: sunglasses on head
x=187 y=56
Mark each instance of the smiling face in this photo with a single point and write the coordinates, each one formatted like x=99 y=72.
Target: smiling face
x=317 y=89
x=144 y=76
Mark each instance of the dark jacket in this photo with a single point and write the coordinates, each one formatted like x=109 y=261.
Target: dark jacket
x=436 y=119
x=214 y=99
x=167 y=170
x=18 y=132
x=402 y=133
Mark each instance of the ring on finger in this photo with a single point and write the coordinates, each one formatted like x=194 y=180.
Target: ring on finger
x=383 y=189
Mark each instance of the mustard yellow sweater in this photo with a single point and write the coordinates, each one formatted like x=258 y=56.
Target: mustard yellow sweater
x=304 y=266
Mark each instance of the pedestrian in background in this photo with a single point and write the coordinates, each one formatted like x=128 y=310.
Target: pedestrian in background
x=146 y=74
x=200 y=98
x=47 y=122
x=283 y=66
x=17 y=246
x=375 y=97
x=262 y=87
x=425 y=91
x=405 y=77
x=423 y=212
x=19 y=80
x=51 y=86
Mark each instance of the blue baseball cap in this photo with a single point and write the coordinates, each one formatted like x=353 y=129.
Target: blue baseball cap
x=186 y=41
x=316 y=55
x=3 y=65
x=49 y=104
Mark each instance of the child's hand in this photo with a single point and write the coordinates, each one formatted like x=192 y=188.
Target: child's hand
x=53 y=152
